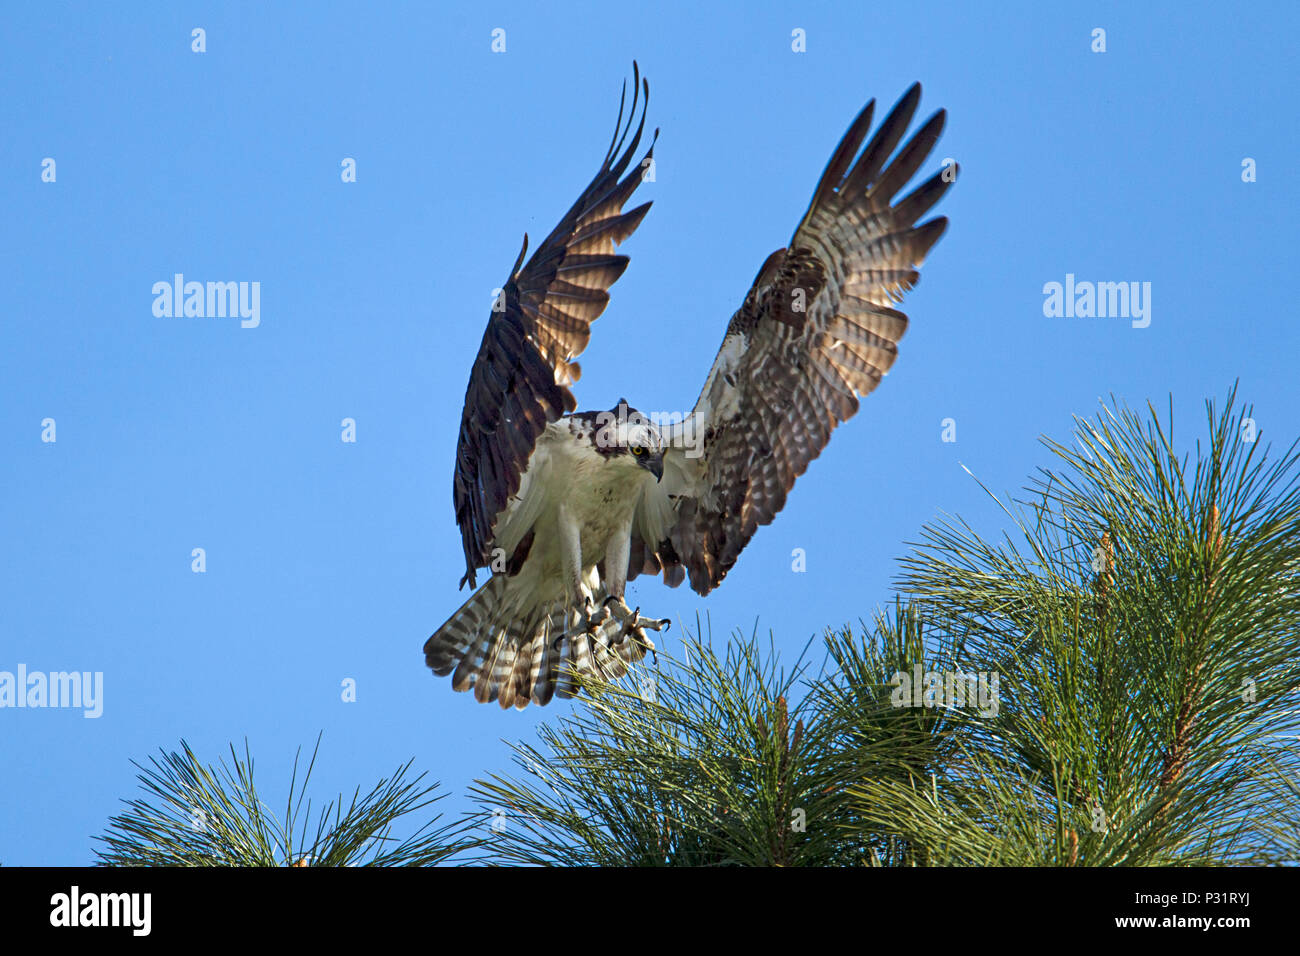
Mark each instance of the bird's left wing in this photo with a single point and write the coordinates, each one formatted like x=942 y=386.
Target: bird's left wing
x=539 y=324
x=816 y=330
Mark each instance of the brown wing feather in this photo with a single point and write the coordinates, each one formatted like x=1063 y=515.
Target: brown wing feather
x=540 y=324
x=816 y=330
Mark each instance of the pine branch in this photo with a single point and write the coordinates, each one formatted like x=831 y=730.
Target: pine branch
x=200 y=815
x=1146 y=624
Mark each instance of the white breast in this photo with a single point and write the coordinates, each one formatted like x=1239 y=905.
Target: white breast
x=601 y=491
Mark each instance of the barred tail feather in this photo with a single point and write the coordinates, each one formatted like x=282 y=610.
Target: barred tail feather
x=523 y=659
x=449 y=645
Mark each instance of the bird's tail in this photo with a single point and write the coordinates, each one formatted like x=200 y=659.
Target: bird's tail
x=515 y=658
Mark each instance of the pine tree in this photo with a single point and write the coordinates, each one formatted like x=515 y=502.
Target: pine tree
x=202 y=815
x=1114 y=682
x=1141 y=629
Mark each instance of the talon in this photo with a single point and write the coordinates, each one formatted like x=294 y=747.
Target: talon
x=587 y=621
x=618 y=606
x=640 y=637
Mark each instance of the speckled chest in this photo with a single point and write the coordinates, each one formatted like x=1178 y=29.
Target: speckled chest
x=602 y=495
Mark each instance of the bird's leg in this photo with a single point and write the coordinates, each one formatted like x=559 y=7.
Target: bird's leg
x=582 y=613
x=616 y=560
x=616 y=568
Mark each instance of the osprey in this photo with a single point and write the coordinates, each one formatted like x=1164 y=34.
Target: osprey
x=565 y=507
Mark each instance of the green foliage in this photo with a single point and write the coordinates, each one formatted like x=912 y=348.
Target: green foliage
x=1138 y=637
x=1145 y=621
x=1143 y=628
x=197 y=815
x=701 y=763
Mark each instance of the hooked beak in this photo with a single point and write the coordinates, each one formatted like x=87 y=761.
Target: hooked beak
x=656 y=466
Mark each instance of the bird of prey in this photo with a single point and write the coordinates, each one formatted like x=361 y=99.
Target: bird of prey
x=564 y=507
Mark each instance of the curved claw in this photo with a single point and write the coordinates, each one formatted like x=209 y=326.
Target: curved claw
x=591 y=622
x=640 y=637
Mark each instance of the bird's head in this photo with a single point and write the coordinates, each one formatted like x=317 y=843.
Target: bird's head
x=632 y=437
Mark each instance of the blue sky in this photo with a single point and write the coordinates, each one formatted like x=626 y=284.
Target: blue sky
x=328 y=560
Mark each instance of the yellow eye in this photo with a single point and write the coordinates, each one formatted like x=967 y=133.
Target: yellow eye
x=638 y=450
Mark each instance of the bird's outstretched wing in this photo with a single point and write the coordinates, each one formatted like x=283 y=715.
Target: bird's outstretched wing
x=816 y=330
x=539 y=324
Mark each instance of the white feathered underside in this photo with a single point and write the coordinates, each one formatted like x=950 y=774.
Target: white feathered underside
x=511 y=640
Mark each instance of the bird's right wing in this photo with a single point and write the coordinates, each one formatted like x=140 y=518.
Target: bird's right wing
x=540 y=323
